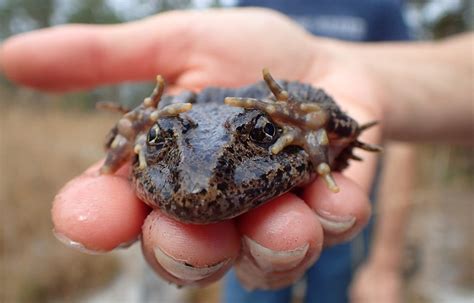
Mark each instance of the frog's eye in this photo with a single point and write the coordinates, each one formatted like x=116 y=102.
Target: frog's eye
x=263 y=130
x=153 y=138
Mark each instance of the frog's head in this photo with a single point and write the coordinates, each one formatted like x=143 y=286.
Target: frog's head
x=214 y=163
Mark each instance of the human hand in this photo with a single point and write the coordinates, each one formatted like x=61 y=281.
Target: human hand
x=192 y=50
x=375 y=283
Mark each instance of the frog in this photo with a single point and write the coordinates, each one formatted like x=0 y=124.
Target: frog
x=203 y=157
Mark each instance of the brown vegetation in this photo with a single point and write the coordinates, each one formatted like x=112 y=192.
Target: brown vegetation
x=41 y=148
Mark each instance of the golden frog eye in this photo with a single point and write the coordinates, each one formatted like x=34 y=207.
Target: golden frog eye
x=263 y=131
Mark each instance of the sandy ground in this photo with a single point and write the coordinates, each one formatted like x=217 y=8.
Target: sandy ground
x=42 y=146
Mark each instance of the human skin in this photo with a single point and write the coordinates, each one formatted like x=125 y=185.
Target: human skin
x=193 y=50
x=384 y=263
x=425 y=88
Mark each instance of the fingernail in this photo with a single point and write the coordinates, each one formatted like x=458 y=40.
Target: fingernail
x=335 y=224
x=273 y=260
x=76 y=245
x=183 y=270
x=127 y=244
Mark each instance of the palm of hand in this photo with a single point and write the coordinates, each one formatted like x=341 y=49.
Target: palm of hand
x=193 y=50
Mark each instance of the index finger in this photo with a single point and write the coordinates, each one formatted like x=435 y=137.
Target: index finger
x=80 y=56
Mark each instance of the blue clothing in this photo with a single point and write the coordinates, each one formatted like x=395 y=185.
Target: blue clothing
x=356 y=20
x=327 y=281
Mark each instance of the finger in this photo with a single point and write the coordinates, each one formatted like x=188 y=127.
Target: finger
x=97 y=213
x=342 y=215
x=281 y=239
x=80 y=56
x=188 y=254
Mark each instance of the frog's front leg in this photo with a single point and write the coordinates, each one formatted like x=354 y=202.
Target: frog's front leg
x=303 y=123
x=316 y=144
x=121 y=139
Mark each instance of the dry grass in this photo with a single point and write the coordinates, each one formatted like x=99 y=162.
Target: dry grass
x=41 y=148
x=442 y=223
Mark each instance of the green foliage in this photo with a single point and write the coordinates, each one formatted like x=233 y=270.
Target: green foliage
x=36 y=14
x=23 y=15
x=93 y=11
x=449 y=24
x=165 y=5
x=40 y=11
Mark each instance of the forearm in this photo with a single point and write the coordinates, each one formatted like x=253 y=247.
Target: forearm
x=425 y=88
x=393 y=207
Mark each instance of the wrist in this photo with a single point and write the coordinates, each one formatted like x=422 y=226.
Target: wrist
x=385 y=259
x=340 y=68
x=325 y=53
x=330 y=54
x=413 y=80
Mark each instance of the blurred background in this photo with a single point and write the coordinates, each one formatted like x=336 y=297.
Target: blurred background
x=47 y=139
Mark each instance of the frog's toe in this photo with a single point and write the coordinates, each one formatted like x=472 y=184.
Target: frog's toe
x=251 y=103
x=138 y=149
x=279 y=93
x=368 y=147
x=117 y=155
x=171 y=110
x=155 y=97
x=324 y=171
x=287 y=138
